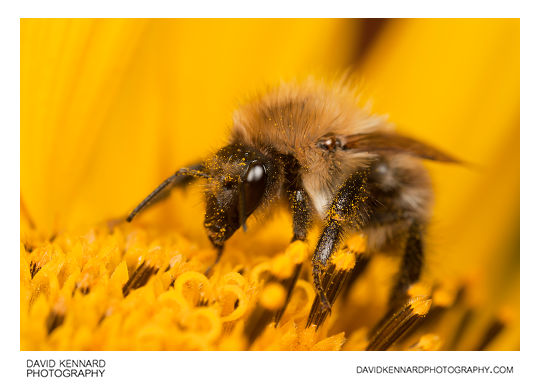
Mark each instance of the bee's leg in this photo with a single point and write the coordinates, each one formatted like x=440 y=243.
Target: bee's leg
x=180 y=179
x=409 y=272
x=219 y=250
x=299 y=200
x=301 y=211
x=410 y=268
x=300 y=205
x=350 y=208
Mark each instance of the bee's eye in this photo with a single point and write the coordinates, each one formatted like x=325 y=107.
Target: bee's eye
x=255 y=173
x=255 y=186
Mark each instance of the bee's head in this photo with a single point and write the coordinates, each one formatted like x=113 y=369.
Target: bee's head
x=238 y=181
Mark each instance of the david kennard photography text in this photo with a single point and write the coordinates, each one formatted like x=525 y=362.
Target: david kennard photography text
x=65 y=368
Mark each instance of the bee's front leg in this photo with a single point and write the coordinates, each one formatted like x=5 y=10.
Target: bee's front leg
x=350 y=208
x=301 y=210
x=219 y=252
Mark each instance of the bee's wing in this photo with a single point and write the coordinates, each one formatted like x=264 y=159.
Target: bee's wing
x=390 y=142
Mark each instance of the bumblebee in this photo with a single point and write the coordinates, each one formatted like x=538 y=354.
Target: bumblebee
x=312 y=147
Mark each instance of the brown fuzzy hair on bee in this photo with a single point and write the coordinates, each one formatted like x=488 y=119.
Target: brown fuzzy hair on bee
x=293 y=116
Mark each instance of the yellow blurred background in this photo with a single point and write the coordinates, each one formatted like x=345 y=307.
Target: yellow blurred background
x=111 y=107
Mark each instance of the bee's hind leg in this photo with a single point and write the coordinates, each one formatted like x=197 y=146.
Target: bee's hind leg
x=410 y=268
x=409 y=273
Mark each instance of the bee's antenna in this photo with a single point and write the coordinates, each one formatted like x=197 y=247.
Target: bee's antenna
x=242 y=206
x=152 y=196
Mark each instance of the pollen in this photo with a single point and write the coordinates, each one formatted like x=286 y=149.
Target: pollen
x=131 y=288
x=282 y=266
x=344 y=260
x=357 y=244
x=273 y=296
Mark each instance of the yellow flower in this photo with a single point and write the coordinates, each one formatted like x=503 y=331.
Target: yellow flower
x=111 y=107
